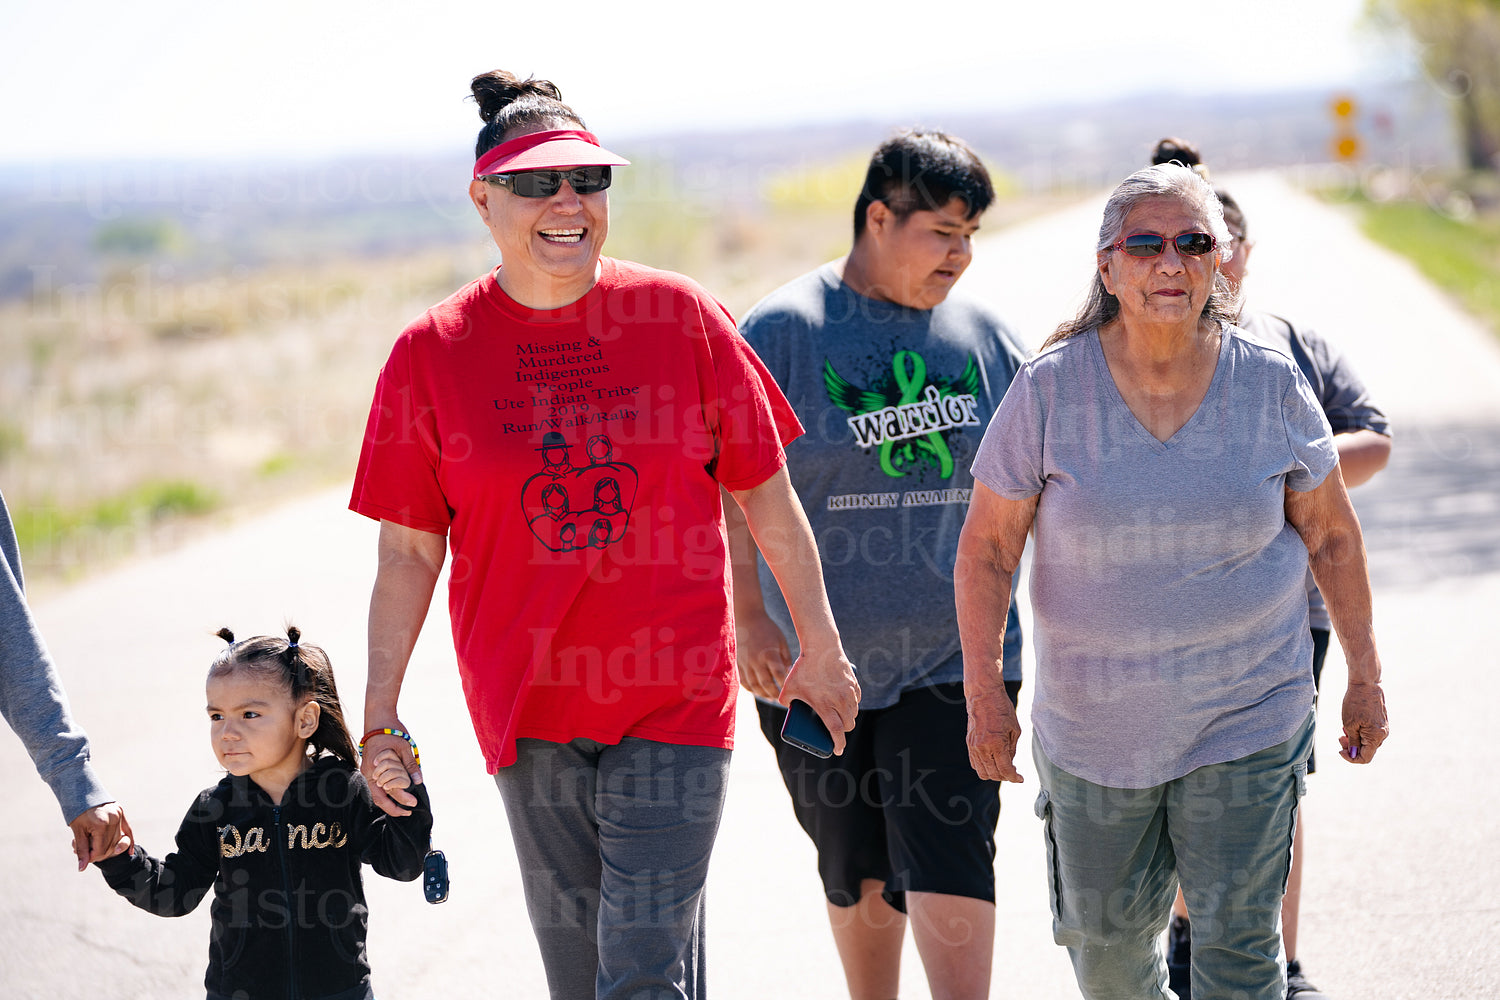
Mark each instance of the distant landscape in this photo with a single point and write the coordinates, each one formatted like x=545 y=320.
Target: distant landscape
x=187 y=340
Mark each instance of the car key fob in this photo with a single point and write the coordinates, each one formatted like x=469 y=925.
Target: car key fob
x=435 y=877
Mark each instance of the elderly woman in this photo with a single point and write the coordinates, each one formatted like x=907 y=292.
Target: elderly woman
x=564 y=424
x=1180 y=478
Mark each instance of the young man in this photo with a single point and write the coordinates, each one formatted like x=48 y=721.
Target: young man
x=895 y=382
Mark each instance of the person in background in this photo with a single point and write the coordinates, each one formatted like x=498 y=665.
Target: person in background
x=859 y=346
x=36 y=707
x=1362 y=435
x=564 y=424
x=1180 y=478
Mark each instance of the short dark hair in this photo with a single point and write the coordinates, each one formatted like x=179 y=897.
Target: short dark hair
x=1175 y=150
x=1179 y=151
x=918 y=169
x=507 y=103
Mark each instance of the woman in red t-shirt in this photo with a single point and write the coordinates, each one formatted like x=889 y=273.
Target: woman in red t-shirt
x=563 y=424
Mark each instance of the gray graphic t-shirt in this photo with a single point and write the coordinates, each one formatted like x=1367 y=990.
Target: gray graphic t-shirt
x=895 y=402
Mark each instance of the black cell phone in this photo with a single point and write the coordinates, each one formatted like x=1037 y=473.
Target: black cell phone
x=435 y=876
x=805 y=731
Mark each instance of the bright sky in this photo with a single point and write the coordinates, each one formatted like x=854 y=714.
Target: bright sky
x=172 y=78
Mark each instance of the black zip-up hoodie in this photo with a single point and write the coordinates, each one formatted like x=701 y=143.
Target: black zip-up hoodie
x=289 y=906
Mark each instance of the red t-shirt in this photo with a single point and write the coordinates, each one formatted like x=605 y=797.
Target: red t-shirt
x=573 y=457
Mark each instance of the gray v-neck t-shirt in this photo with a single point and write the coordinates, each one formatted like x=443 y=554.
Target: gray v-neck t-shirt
x=1168 y=587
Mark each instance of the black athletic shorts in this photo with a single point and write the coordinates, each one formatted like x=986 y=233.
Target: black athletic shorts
x=902 y=805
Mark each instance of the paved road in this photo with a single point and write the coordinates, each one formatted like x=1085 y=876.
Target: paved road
x=1403 y=856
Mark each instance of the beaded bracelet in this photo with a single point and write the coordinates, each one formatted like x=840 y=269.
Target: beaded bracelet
x=415 y=753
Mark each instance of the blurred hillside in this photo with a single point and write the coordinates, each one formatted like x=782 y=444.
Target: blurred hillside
x=65 y=223
x=1086 y=147
x=185 y=338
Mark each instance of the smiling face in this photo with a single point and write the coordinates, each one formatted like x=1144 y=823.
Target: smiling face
x=1170 y=288
x=913 y=260
x=256 y=728
x=549 y=247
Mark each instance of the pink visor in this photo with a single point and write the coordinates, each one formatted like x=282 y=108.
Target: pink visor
x=547 y=151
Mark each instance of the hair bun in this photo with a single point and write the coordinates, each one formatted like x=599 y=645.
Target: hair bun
x=226 y=635
x=1174 y=150
x=496 y=90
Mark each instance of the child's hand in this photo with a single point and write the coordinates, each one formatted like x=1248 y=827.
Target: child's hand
x=122 y=846
x=390 y=772
x=377 y=748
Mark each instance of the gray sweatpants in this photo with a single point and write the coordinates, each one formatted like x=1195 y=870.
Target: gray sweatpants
x=614 y=843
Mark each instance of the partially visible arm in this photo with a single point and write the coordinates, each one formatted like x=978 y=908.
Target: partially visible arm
x=1362 y=453
x=822 y=676
x=409 y=563
x=1325 y=519
x=989 y=551
x=761 y=651
x=1361 y=431
x=35 y=706
x=176 y=884
x=395 y=845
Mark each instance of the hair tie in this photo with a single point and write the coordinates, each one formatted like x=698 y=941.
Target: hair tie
x=291 y=645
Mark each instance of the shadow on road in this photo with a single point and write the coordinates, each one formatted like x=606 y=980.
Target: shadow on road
x=1434 y=513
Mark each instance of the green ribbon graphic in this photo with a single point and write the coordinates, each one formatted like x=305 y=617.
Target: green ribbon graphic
x=911 y=383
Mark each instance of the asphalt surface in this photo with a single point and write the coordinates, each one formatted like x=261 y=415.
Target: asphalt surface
x=1402 y=856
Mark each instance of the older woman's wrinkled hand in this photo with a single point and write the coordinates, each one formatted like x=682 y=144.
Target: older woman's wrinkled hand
x=1366 y=726
x=826 y=681
x=994 y=733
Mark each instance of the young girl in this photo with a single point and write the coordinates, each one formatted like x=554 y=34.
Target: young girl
x=280 y=840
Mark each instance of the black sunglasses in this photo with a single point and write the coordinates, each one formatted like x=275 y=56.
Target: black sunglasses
x=546 y=183
x=1152 y=245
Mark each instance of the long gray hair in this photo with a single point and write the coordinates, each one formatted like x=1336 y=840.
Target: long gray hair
x=1165 y=180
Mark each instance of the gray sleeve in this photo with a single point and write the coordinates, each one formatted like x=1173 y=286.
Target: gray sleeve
x=1009 y=459
x=31 y=694
x=1308 y=436
x=1345 y=399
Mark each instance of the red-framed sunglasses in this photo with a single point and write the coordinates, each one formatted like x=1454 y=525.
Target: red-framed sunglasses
x=1154 y=245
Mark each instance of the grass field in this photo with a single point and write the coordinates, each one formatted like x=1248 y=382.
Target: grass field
x=1455 y=245
x=134 y=407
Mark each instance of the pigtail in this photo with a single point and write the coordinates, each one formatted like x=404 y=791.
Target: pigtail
x=312 y=677
x=297 y=668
